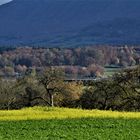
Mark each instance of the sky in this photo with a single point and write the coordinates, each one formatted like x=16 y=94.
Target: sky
x=4 y=1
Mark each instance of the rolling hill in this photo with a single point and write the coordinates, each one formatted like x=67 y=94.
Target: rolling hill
x=70 y=22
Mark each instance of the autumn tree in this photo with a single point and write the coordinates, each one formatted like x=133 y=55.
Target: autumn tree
x=7 y=94
x=53 y=82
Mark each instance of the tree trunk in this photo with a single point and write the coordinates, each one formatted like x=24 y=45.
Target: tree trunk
x=52 y=103
x=51 y=100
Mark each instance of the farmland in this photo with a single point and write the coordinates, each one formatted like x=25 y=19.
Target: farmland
x=62 y=123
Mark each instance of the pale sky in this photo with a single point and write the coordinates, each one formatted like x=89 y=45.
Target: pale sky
x=4 y=1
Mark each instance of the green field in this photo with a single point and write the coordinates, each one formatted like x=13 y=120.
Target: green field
x=42 y=123
x=111 y=71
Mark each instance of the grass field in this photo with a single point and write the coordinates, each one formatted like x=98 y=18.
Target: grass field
x=111 y=71
x=42 y=123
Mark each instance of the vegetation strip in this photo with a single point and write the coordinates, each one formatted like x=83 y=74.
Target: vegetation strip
x=38 y=113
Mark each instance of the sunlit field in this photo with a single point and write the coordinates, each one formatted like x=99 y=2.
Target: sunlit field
x=37 y=113
x=43 y=123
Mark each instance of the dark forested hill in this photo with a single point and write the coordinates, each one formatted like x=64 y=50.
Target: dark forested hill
x=70 y=22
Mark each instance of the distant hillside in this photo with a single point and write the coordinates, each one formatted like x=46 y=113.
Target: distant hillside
x=70 y=22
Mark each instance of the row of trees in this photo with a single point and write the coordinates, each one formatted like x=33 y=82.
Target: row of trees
x=121 y=92
x=48 y=88
x=74 y=60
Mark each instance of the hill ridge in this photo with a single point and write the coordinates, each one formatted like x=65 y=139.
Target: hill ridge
x=70 y=22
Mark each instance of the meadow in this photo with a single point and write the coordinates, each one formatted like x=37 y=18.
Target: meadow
x=43 y=123
x=110 y=71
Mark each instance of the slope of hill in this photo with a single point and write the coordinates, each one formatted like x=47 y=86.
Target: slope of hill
x=70 y=22
x=4 y=1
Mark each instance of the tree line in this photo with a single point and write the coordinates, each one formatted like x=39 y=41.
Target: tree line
x=87 y=61
x=49 y=88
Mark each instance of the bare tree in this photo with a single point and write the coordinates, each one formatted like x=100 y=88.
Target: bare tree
x=53 y=82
